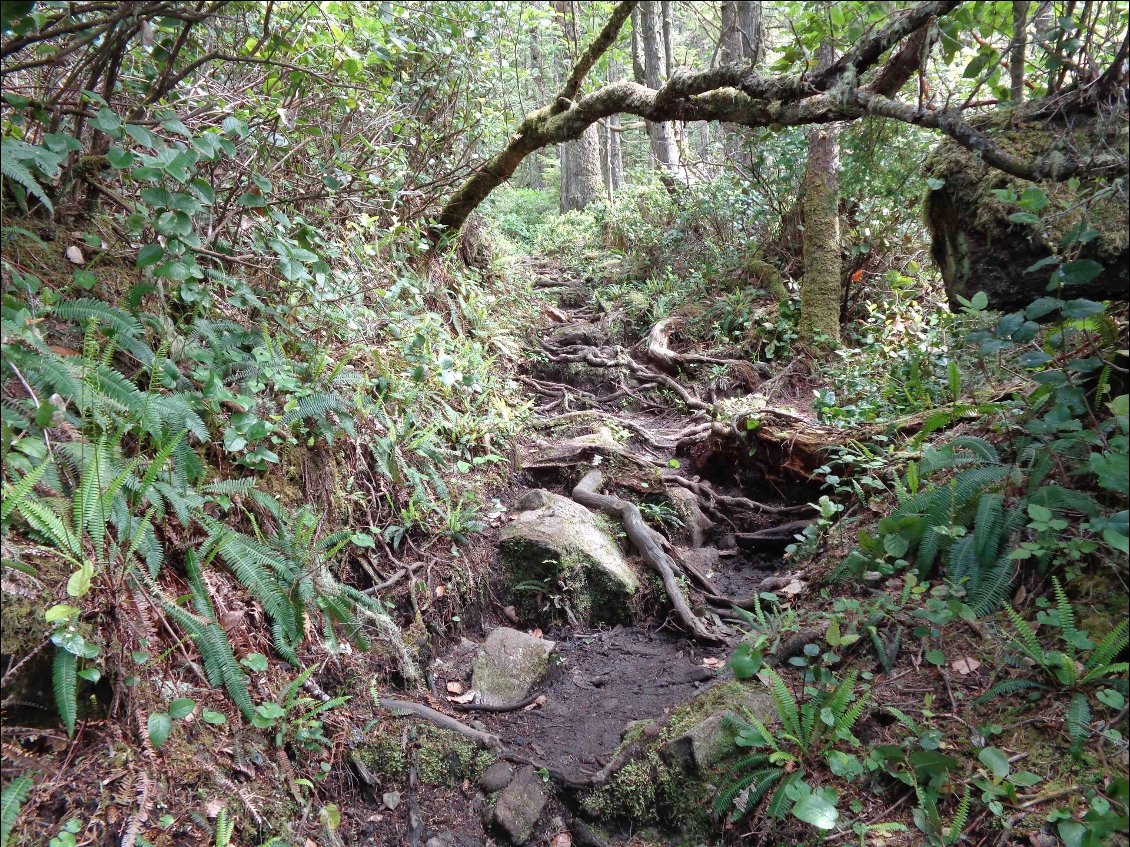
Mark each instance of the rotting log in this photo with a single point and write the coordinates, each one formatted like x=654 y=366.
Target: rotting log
x=646 y=542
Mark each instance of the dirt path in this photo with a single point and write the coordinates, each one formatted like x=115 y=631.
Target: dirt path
x=604 y=680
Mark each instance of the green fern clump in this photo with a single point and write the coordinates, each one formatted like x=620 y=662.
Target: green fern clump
x=808 y=730
x=1077 y=666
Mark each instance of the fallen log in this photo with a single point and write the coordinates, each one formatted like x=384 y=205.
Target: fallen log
x=644 y=539
x=408 y=707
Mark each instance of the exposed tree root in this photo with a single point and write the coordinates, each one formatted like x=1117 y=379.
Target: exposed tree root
x=419 y=710
x=712 y=498
x=659 y=349
x=644 y=539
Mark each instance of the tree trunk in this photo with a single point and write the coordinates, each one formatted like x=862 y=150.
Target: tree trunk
x=581 y=181
x=638 y=72
x=740 y=43
x=662 y=133
x=1019 y=47
x=580 y=170
x=749 y=26
x=820 y=286
x=615 y=153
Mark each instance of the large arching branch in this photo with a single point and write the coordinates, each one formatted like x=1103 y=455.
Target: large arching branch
x=740 y=94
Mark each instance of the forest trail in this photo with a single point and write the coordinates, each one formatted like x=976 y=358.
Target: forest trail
x=603 y=408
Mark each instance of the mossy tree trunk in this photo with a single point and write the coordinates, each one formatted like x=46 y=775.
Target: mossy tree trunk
x=820 y=286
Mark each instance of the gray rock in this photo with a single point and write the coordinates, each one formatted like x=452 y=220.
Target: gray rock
x=556 y=540
x=444 y=839
x=709 y=741
x=520 y=805
x=391 y=799
x=496 y=777
x=509 y=665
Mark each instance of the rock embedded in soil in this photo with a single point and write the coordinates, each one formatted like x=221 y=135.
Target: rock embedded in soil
x=709 y=741
x=509 y=665
x=564 y=546
x=520 y=805
x=496 y=777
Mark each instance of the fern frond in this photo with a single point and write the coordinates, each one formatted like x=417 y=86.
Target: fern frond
x=1010 y=686
x=960 y=818
x=1078 y=720
x=11 y=801
x=1025 y=636
x=14 y=495
x=20 y=174
x=786 y=703
x=780 y=803
x=64 y=678
x=128 y=330
x=1114 y=643
x=1065 y=612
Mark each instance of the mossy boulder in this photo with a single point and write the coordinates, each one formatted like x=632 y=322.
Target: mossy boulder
x=978 y=248
x=509 y=665
x=558 y=547
x=672 y=781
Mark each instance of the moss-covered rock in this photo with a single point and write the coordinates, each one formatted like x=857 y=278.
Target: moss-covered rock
x=560 y=547
x=977 y=247
x=509 y=665
x=671 y=782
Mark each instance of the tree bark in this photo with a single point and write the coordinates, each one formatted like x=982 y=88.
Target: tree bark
x=615 y=153
x=1017 y=57
x=580 y=170
x=581 y=181
x=740 y=42
x=820 y=286
x=638 y=72
x=662 y=133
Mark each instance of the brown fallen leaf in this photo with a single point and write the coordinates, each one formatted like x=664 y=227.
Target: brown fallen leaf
x=463 y=698
x=455 y=687
x=538 y=702
x=966 y=665
x=536 y=632
x=440 y=591
x=562 y=839
x=712 y=662
x=794 y=588
x=74 y=255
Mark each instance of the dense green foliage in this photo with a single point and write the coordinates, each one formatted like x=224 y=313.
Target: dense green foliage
x=259 y=416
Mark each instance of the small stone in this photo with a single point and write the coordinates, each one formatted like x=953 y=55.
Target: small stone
x=509 y=665
x=444 y=839
x=391 y=799
x=496 y=777
x=520 y=805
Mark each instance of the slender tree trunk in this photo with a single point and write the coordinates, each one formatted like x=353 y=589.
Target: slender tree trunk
x=662 y=133
x=740 y=43
x=820 y=286
x=615 y=153
x=638 y=72
x=581 y=181
x=1019 y=47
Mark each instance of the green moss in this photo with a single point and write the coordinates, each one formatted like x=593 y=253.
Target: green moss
x=657 y=788
x=21 y=626
x=383 y=755
x=445 y=758
x=768 y=277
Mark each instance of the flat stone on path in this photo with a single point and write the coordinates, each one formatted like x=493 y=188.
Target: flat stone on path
x=508 y=666
x=520 y=805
